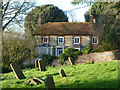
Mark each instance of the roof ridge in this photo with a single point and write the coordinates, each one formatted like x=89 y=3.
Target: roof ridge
x=66 y=22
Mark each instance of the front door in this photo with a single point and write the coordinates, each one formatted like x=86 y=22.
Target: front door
x=60 y=50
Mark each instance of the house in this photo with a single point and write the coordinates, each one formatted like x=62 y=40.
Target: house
x=53 y=38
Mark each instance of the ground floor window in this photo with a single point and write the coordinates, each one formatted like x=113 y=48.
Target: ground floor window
x=60 y=50
x=94 y=40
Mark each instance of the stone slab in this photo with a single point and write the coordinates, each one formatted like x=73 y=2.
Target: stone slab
x=17 y=71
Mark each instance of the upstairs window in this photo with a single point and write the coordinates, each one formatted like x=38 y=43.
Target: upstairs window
x=76 y=40
x=60 y=39
x=94 y=40
x=45 y=39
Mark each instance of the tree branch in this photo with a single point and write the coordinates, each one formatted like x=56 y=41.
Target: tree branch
x=5 y=8
x=13 y=16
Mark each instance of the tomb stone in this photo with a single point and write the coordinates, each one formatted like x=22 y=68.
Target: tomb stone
x=39 y=79
x=17 y=71
x=36 y=63
x=41 y=64
x=49 y=82
x=71 y=60
x=62 y=73
x=33 y=81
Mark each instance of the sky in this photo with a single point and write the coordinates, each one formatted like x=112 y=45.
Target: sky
x=66 y=5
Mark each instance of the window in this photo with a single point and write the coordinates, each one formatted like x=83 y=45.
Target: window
x=76 y=40
x=45 y=39
x=60 y=39
x=94 y=40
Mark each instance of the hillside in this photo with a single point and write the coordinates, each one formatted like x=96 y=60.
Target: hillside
x=99 y=75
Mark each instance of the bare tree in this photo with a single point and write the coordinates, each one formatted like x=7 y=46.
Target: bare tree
x=13 y=11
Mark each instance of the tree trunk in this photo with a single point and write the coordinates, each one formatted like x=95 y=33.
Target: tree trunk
x=1 y=2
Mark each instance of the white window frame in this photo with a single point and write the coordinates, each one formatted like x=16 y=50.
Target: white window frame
x=75 y=38
x=94 y=40
x=62 y=39
x=43 y=39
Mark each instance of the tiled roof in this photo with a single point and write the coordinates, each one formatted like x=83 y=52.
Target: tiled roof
x=64 y=28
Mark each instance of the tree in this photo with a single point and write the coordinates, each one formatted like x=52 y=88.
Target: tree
x=13 y=11
x=48 y=13
x=107 y=23
x=87 y=16
x=16 y=47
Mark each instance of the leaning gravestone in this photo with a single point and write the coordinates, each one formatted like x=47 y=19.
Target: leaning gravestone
x=49 y=82
x=62 y=73
x=17 y=71
x=41 y=64
x=36 y=63
x=71 y=60
x=39 y=79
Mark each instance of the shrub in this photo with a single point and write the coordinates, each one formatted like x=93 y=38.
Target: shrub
x=86 y=50
x=69 y=52
x=102 y=48
x=6 y=69
x=48 y=59
x=89 y=62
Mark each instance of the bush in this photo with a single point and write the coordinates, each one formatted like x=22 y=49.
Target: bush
x=69 y=52
x=86 y=50
x=89 y=62
x=102 y=48
x=48 y=59
x=6 y=69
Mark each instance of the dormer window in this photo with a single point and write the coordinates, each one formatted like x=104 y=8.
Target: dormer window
x=94 y=40
x=76 y=40
x=60 y=39
x=45 y=39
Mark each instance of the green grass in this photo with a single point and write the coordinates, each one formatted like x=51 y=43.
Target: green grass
x=99 y=75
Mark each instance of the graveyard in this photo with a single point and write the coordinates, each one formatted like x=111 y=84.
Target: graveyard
x=97 y=75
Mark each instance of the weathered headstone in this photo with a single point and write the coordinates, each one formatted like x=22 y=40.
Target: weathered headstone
x=33 y=81
x=17 y=71
x=62 y=73
x=36 y=63
x=71 y=60
x=39 y=79
x=92 y=62
x=41 y=64
x=49 y=82
x=53 y=65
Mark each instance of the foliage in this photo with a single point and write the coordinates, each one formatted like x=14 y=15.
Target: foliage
x=89 y=62
x=86 y=50
x=13 y=12
x=43 y=14
x=69 y=52
x=107 y=24
x=16 y=48
x=87 y=16
x=48 y=59
x=78 y=76
x=5 y=69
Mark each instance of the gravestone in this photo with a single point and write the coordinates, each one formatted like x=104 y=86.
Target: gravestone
x=39 y=79
x=92 y=62
x=71 y=60
x=62 y=73
x=33 y=81
x=17 y=71
x=49 y=82
x=53 y=65
x=41 y=64
x=36 y=63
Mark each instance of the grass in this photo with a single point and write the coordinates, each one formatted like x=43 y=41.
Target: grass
x=99 y=75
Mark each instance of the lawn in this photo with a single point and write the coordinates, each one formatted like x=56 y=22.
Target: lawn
x=99 y=75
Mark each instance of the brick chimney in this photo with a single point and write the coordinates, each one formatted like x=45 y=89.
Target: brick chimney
x=92 y=21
